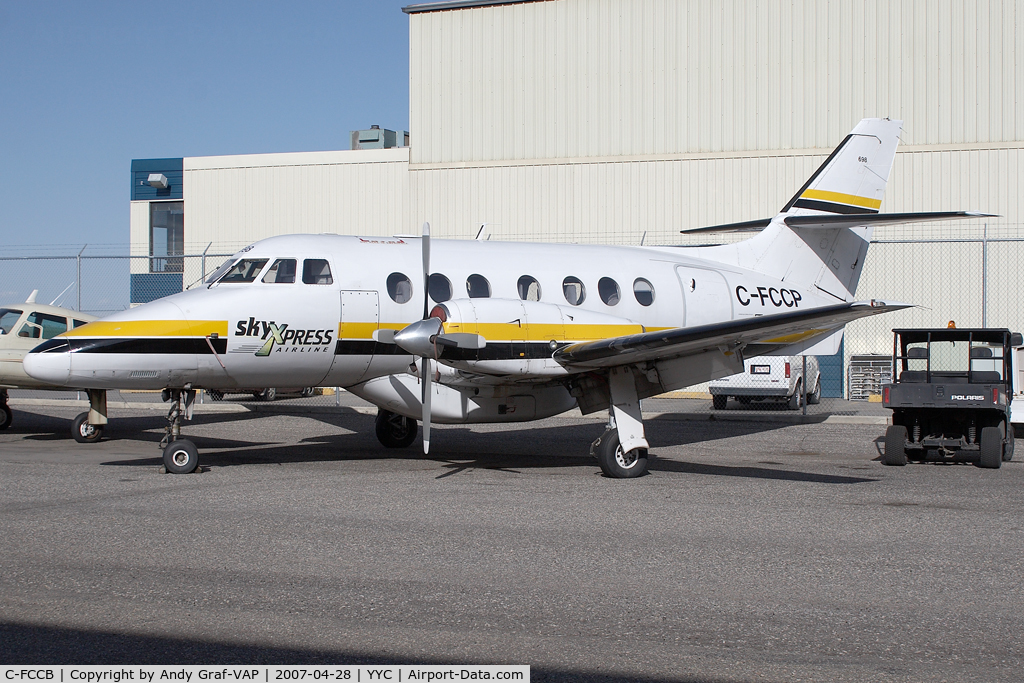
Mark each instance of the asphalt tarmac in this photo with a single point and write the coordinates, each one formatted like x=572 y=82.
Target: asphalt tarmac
x=755 y=550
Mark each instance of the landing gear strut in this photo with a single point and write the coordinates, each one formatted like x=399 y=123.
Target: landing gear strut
x=622 y=449
x=180 y=455
x=5 y=411
x=88 y=427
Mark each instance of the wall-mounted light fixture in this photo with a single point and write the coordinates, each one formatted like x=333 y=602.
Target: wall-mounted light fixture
x=159 y=181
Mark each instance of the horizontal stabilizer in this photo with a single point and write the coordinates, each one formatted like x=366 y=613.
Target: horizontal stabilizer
x=829 y=221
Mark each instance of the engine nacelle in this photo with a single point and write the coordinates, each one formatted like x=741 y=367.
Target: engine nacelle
x=521 y=336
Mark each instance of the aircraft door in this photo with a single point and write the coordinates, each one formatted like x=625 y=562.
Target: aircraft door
x=360 y=318
x=706 y=296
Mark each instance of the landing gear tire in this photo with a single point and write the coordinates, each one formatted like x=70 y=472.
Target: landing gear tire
x=615 y=462
x=1007 y=449
x=83 y=432
x=181 y=457
x=6 y=417
x=991 y=448
x=895 y=446
x=814 y=398
x=215 y=395
x=395 y=431
x=719 y=401
x=797 y=397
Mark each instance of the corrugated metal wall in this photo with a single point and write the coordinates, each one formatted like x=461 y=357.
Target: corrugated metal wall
x=586 y=78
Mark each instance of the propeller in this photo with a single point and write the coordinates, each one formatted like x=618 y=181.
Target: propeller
x=423 y=337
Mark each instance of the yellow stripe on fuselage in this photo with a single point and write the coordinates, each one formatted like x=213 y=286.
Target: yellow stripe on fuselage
x=840 y=198
x=502 y=332
x=151 y=328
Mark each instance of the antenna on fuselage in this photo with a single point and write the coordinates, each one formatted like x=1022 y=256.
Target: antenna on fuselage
x=54 y=302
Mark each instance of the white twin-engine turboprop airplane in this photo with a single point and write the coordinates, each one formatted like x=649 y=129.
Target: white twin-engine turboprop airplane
x=474 y=331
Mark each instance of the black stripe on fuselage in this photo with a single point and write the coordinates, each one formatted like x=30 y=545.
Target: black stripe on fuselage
x=831 y=207
x=160 y=345
x=493 y=350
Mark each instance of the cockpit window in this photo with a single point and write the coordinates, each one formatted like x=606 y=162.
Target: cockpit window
x=8 y=316
x=220 y=271
x=316 y=271
x=283 y=271
x=245 y=270
x=43 y=326
x=79 y=323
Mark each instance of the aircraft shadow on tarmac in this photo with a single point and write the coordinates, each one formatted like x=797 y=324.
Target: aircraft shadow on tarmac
x=460 y=448
x=27 y=644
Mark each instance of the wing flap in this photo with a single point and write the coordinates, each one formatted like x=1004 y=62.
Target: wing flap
x=768 y=331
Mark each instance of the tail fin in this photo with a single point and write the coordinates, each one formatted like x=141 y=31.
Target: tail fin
x=820 y=238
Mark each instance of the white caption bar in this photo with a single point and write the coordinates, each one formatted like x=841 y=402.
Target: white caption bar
x=263 y=674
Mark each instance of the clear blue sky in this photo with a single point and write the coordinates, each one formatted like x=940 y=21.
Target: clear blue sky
x=85 y=87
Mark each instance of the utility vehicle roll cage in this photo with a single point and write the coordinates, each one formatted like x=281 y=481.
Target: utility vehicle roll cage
x=983 y=344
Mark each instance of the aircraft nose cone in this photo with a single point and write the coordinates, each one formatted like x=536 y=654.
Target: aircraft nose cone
x=50 y=362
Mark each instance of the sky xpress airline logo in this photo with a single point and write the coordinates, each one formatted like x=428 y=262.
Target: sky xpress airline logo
x=281 y=339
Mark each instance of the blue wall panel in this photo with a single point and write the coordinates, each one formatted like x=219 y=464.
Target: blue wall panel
x=148 y=287
x=831 y=368
x=172 y=168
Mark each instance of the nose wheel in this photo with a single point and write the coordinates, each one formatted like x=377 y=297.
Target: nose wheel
x=5 y=411
x=180 y=455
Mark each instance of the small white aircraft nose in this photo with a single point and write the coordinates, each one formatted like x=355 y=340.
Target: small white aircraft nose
x=50 y=362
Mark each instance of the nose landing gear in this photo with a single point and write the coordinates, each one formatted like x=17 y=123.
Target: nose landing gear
x=180 y=455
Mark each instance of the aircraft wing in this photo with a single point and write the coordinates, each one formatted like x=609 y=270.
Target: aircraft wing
x=759 y=334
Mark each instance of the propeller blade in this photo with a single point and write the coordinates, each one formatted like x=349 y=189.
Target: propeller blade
x=462 y=340
x=426 y=269
x=426 y=376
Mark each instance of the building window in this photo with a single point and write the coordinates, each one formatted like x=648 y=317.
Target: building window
x=166 y=236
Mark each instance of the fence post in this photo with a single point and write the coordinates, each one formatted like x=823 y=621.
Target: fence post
x=203 y=278
x=984 y=277
x=803 y=384
x=78 y=280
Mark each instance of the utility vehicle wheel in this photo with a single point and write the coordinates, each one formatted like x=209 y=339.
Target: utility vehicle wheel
x=991 y=448
x=6 y=417
x=215 y=395
x=268 y=394
x=1007 y=449
x=614 y=461
x=181 y=457
x=395 y=431
x=814 y=398
x=795 y=399
x=895 y=446
x=85 y=432
x=718 y=401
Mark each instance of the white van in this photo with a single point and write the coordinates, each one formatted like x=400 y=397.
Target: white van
x=770 y=378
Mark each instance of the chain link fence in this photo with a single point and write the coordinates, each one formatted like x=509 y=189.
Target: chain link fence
x=967 y=280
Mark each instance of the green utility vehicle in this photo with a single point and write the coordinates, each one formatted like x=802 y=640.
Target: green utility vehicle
x=950 y=396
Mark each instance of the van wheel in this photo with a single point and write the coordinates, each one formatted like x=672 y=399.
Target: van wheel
x=991 y=448
x=1008 y=448
x=895 y=446
x=268 y=394
x=814 y=398
x=6 y=416
x=797 y=397
x=718 y=401
x=83 y=432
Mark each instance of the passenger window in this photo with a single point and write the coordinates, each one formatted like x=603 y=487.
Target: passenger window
x=8 y=317
x=42 y=326
x=316 y=271
x=609 y=290
x=399 y=288
x=439 y=287
x=245 y=270
x=643 y=291
x=478 y=287
x=529 y=288
x=573 y=290
x=283 y=271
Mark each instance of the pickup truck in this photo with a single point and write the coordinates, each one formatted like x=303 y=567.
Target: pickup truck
x=769 y=378
x=950 y=397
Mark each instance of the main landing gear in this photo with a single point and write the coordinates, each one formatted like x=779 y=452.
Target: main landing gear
x=395 y=431
x=5 y=411
x=180 y=455
x=88 y=427
x=622 y=450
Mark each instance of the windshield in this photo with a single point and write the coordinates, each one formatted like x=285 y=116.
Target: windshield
x=8 y=316
x=245 y=270
x=220 y=271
